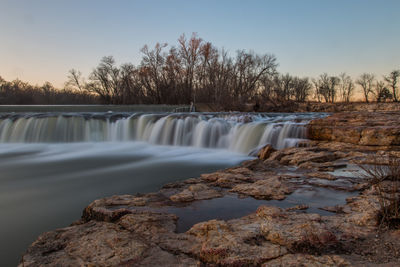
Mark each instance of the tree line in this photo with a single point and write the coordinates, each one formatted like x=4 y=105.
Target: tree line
x=195 y=71
x=18 y=92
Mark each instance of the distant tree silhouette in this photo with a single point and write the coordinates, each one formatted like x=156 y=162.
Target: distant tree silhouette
x=392 y=80
x=366 y=81
x=75 y=80
x=326 y=87
x=346 y=87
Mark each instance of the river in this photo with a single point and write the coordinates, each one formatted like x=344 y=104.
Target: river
x=54 y=164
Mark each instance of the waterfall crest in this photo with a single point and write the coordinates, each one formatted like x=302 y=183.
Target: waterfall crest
x=234 y=131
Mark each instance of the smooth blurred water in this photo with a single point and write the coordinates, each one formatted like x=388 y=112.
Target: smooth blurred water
x=239 y=132
x=46 y=186
x=53 y=165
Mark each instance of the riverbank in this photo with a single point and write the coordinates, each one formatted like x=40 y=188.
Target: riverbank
x=292 y=106
x=92 y=108
x=271 y=211
x=288 y=106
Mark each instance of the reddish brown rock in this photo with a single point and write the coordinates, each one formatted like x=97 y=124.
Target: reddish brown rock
x=270 y=188
x=228 y=178
x=294 y=260
x=302 y=232
x=326 y=166
x=363 y=128
x=298 y=207
x=195 y=192
x=304 y=155
x=265 y=152
x=363 y=210
x=322 y=175
x=220 y=243
x=149 y=223
x=93 y=243
x=112 y=208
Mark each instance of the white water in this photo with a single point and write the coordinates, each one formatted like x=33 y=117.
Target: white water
x=236 y=132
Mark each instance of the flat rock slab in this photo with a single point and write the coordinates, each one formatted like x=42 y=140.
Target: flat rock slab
x=362 y=128
x=114 y=235
x=273 y=187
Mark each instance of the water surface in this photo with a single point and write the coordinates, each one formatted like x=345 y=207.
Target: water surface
x=52 y=165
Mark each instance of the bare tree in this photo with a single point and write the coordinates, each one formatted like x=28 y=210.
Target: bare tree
x=130 y=88
x=75 y=80
x=189 y=51
x=326 y=86
x=267 y=88
x=248 y=71
x=284 y=88
x=222 y=74
x=105 y=81
x=212 y=74
x=366 y=81
x=382 y=93
x=287 y=87
x=151 y=71
x=301 y=88
x=333 y=83
x=48 y=92
x=346 y=87
x=317 y=87
x=392 y=80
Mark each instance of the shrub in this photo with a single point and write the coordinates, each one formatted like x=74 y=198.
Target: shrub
x=384 y=176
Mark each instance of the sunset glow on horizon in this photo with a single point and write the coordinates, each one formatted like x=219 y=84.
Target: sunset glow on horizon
x=42 y=40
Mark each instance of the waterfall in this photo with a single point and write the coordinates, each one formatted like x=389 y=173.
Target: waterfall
x=234 y=131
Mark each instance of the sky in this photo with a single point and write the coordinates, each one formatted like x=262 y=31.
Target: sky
x=41 y=40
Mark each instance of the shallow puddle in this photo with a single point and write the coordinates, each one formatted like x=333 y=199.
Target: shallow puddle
x=231 y=206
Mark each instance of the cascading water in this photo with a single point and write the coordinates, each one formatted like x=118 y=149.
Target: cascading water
x=234 y=131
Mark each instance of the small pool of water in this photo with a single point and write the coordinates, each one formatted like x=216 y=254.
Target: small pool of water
x=231 y=206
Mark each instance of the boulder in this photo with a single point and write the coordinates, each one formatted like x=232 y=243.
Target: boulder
x=265 y=152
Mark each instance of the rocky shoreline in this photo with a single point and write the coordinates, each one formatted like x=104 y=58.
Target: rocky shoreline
x=281 y=223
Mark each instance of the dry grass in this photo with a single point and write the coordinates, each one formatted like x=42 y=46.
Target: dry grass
x=384 y=176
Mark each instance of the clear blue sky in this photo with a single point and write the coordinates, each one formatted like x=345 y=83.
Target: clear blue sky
x=42 y=39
